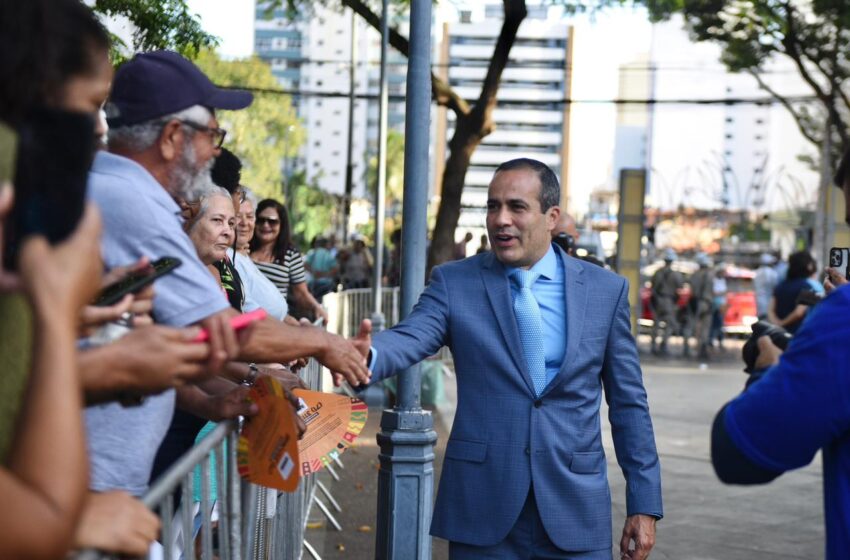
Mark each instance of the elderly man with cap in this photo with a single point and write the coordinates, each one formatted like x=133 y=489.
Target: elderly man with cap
x=162 y=140
x=666 y=284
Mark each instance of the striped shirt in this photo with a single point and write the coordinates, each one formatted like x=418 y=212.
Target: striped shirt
x=283 y=274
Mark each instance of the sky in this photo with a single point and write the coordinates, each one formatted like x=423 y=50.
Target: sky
x=230 y=20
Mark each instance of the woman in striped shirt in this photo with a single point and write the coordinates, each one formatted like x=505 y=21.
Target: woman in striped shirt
x=276 y=257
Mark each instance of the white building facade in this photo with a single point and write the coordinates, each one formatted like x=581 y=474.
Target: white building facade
x=530 y=115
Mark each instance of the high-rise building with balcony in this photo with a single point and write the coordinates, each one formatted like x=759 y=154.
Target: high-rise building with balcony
x=530 y=115
x=312 y=58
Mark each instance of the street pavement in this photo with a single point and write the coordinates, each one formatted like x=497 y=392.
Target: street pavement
x=704 y=519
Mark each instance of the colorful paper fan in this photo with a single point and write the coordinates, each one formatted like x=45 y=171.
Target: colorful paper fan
x=268 y=445
x=333 y=423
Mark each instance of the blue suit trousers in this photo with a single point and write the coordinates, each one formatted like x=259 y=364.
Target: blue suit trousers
x=527 y=540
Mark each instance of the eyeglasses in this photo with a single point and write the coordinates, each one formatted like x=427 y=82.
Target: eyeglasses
x=272 y=222
x=217 y=134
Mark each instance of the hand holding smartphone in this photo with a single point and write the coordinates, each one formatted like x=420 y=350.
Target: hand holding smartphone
x=839 y=259
x=136 y=281
x=237 y=323
x=55 y=152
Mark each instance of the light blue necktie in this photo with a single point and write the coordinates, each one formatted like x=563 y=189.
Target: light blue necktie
x=530 y=325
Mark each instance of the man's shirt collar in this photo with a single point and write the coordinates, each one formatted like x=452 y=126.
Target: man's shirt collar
x=547 y=267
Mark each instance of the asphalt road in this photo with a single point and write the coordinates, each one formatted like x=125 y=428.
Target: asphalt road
x=704 y=519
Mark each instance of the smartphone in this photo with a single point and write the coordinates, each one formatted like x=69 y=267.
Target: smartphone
x=135 y=281
x=237 y=323
x=55 y=152
x=839 y=259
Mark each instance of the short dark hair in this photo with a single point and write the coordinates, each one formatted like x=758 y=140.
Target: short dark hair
x=44 y=43
x=842 y=175
x=801 y=265
x=227 y=171
x=550 y=189
x=284 y=237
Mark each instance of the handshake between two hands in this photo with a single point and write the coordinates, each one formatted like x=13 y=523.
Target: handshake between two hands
x=357 y=376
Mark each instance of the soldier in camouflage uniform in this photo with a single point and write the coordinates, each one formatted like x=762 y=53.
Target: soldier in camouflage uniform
x=666 y=283
x=700 y=306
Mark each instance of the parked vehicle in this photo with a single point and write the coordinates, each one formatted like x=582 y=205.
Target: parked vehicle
x=740 y=297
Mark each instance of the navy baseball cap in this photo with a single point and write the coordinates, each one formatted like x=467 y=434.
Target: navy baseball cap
x=159 y=83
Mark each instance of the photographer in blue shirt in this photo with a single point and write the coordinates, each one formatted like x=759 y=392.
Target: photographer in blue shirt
x=801 y=405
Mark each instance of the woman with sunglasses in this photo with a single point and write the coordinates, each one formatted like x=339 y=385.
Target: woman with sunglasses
x=275 y=255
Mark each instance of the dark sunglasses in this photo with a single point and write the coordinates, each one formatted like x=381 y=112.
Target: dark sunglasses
x=270 y=221
x=217 y=134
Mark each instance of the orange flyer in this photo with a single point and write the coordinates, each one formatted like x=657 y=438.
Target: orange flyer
x=333 y=423
x=268 y=445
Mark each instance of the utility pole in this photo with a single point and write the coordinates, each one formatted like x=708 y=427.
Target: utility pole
x=349 y=167
x=381 y=190
x=406 y=440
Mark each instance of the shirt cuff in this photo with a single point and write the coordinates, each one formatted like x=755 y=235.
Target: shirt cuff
x=373 y=357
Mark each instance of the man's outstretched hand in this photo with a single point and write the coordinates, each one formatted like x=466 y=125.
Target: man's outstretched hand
x=363 y=343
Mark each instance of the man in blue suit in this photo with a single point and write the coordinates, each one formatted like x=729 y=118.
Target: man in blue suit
x=535 y=336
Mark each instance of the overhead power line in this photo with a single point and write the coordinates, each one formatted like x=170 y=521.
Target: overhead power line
x=562 y=101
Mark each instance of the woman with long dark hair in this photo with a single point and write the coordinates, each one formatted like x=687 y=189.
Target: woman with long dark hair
x=277 y=257
x=784 y=309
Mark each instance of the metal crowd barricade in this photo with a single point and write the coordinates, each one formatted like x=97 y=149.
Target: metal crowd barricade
x=347 y=308
x=251 y=522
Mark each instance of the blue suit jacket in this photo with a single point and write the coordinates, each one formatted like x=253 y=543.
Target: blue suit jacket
x=504 y=439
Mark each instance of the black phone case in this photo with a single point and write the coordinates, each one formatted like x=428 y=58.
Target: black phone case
x=135 y=282
x=55 y=153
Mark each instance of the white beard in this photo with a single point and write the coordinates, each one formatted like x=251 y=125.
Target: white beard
x=189 y=181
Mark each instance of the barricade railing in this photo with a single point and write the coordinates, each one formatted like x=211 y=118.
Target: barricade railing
x=347 y=308
x=245 y=521
x=242 y=521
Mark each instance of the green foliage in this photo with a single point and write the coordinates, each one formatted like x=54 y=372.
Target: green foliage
x=312 y=211
x=159 y=24
x=813 y=34
x=395 y=168
x=395 y=184
x=264 y=134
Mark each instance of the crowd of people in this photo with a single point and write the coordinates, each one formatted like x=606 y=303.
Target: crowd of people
x=783 y=292
x=97 y=400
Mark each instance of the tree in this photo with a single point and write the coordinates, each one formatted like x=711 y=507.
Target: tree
x=813 y=35
x=474 y=121
x=263 y=135
x=159 y=24
x=312 y=210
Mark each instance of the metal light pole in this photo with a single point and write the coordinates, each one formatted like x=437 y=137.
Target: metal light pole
x=406 y=477
x=349 y=167
x=381 y=190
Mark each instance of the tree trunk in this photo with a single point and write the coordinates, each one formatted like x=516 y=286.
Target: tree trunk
x=473 y=123
x=466 y=139
x=470 y=130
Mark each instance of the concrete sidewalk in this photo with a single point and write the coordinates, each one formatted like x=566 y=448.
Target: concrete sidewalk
x=704 y=519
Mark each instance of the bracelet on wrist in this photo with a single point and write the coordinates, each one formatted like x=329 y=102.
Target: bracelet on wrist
x=253 y=372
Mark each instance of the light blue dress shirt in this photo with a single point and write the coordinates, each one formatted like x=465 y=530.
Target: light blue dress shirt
x=548 y=290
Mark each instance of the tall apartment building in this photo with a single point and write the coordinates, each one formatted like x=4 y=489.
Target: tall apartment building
x=530 y=115
x=732 y=154
x=313 y=56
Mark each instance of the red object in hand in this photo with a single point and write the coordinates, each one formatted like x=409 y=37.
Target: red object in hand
x=237 y=323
